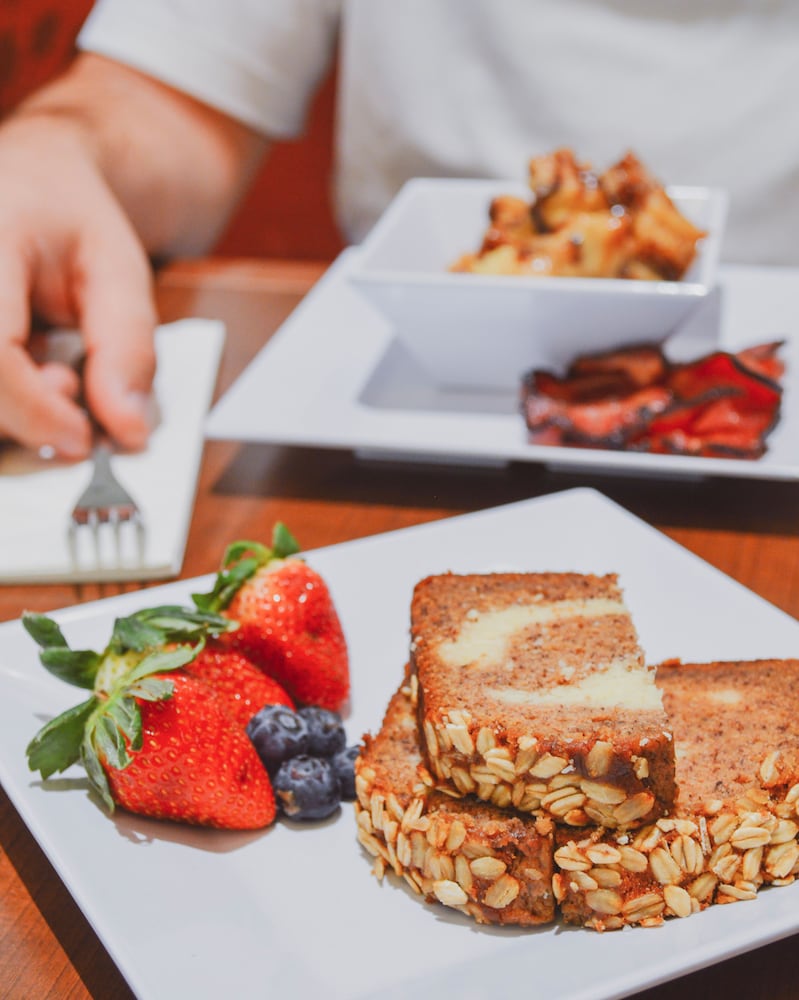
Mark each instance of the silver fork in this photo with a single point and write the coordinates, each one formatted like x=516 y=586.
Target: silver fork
x=105 y=502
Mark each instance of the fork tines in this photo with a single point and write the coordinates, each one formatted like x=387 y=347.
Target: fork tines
x=106 y=532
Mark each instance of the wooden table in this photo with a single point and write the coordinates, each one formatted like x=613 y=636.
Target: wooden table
x=750 y=530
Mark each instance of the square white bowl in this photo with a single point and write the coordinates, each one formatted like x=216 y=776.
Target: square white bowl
x=488 y=330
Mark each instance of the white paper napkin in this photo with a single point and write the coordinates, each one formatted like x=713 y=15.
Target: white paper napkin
x=37 y=495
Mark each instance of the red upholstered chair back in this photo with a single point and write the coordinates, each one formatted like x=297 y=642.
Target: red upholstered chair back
x=36 y=41
x=287 y=213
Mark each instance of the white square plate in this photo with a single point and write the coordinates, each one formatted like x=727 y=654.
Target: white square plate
x=295 y=911
x=336 y=376
x=484 y=331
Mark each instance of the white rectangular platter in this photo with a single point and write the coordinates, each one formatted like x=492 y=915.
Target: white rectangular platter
x=336 y=376
x=294 y=911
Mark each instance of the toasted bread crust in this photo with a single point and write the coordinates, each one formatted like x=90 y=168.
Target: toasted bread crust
x=713 y=849
x=512 y=671
x=493 y=865
x=735 y=826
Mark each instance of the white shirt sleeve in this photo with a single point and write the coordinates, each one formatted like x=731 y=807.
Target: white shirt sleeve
x=256 y=60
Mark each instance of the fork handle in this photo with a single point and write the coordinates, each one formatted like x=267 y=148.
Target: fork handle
x=102 y=482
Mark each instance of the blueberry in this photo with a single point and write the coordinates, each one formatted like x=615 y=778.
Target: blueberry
x=278 y=733
x=344 y=766
x=307 y=787
x=325 y=729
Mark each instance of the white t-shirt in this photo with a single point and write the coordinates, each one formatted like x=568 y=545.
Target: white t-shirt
x=704 y=91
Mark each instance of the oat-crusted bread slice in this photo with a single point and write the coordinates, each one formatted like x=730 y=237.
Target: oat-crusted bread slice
x=495 y=866
x=533 y=693
x=735 y=826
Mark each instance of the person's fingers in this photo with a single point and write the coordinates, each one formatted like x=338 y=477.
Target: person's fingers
x=37 y=405
x=60 y=378
x=116 y=311
x=38 y=409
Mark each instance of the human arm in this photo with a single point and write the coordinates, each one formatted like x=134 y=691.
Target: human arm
x=98 y=170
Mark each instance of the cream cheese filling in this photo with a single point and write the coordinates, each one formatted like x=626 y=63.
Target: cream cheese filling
x=621 y=684
x=486 y=636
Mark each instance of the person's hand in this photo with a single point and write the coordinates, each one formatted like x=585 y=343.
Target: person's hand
x=89 y=186
x=69 y=256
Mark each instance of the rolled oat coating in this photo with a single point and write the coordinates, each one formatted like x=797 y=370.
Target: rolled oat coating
x=735 y=825
x=494 y=866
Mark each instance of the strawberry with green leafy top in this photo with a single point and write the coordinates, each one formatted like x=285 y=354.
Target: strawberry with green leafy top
x=287 y=622
x=244 y=687
x=152 y=739
x=194 y=765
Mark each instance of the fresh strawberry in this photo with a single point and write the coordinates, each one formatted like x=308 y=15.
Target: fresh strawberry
x=244 y=687
x=195 y=764
x=152 y=739
x=235 y=678
x=287 y=622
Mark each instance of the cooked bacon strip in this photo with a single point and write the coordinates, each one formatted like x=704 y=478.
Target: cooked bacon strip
x=712 y=425
x=583 y=389
x=611 y=422
x=722 y=369
x=683 y=414
x=722 y=422
x=643 y=364
x=602 y=409
x=762 y=359
x=725 y=416
x=720 y=404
